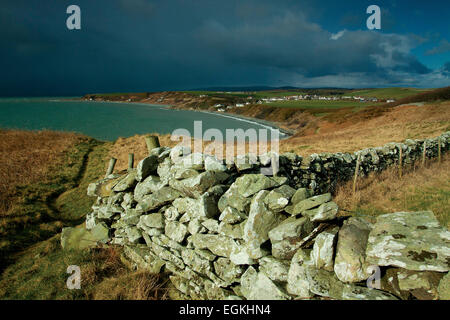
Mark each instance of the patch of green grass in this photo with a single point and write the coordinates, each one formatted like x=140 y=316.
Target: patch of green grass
x=74 y=203
x=36 y=215
x=40 y=273
x=387 y=93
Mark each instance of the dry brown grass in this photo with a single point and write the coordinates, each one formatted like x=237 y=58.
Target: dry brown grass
x=398 y=124
x=27 y=156
x=139 y=285
x=421 y=188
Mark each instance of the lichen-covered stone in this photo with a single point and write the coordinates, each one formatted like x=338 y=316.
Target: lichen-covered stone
x=176 y=231
x=297 y=278
x=133 y=234
x=310 y=203
x=353 y=292
x=80 y=238
x=257 y=286
x=287 y=236
x=213 y=164
x=148 y=185
x=276 y=270
x=212 y=225
x=232 y=198
x=251 y=184
x=325 y=212
x=323 y=249
x=126 y=183
x=235 y=231
x=217 y=244
x=300 y=195
x=194 y=187
x=157 y=199
x=278 y=198
x=421 y=284
x=410 y=240
x=195 y=226
x=227 y=270
x=171 y=213
x=153 y=220
x=195 y=261
x=350 y=263
x=231 y=215
x=146 y=167
x=444 y=287
x=260 y=220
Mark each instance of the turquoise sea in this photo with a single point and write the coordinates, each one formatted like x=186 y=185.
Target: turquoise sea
x=109 y=120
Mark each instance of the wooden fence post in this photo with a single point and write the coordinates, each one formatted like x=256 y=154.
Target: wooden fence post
x=130 y=161
x=400 y=162
x=424 y=151
x=152 y=143
x=356 y=173
x=112 y=163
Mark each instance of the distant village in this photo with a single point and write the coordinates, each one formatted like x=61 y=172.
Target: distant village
x=222 y=107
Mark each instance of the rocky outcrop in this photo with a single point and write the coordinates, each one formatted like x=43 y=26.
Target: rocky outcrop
x=227 y=231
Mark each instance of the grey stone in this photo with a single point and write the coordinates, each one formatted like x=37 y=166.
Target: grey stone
x=323 y=249
x=278 y=198
x=410 y=240
x=79 y=238
x=176 y=231
x=257 y=286
x=212 y=225
x=149 y=185
x=277 y=270
x=421 y=284
x=126 y=183
x=194 y=187
x=350 y=263
x=310 y=203
x=227 y=270
x=231 y=215
x=300 y=195
x=153 y=220
x=157 y=199
x=325 y=212
x=250 y=184
x=146 y=167
x=133 y=234
x=217 y=244
x=213 y=164
x=260 y=220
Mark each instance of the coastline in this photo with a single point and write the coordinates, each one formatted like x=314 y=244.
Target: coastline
x=284 y=133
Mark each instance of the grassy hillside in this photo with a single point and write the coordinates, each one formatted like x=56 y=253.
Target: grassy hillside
x=387 y=93
x=37 y=167
x=41 y=199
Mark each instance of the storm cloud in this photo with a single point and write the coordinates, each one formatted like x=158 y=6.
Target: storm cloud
x=143 y=45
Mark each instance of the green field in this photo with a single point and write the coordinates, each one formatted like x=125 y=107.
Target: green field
x=387 y=93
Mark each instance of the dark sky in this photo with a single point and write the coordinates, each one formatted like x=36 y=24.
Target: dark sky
x=149 y=45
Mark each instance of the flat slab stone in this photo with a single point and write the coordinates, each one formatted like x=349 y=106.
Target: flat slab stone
x=410 y=240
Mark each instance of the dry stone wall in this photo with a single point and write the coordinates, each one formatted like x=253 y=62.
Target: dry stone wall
x=322 y=172
x=226 y=231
